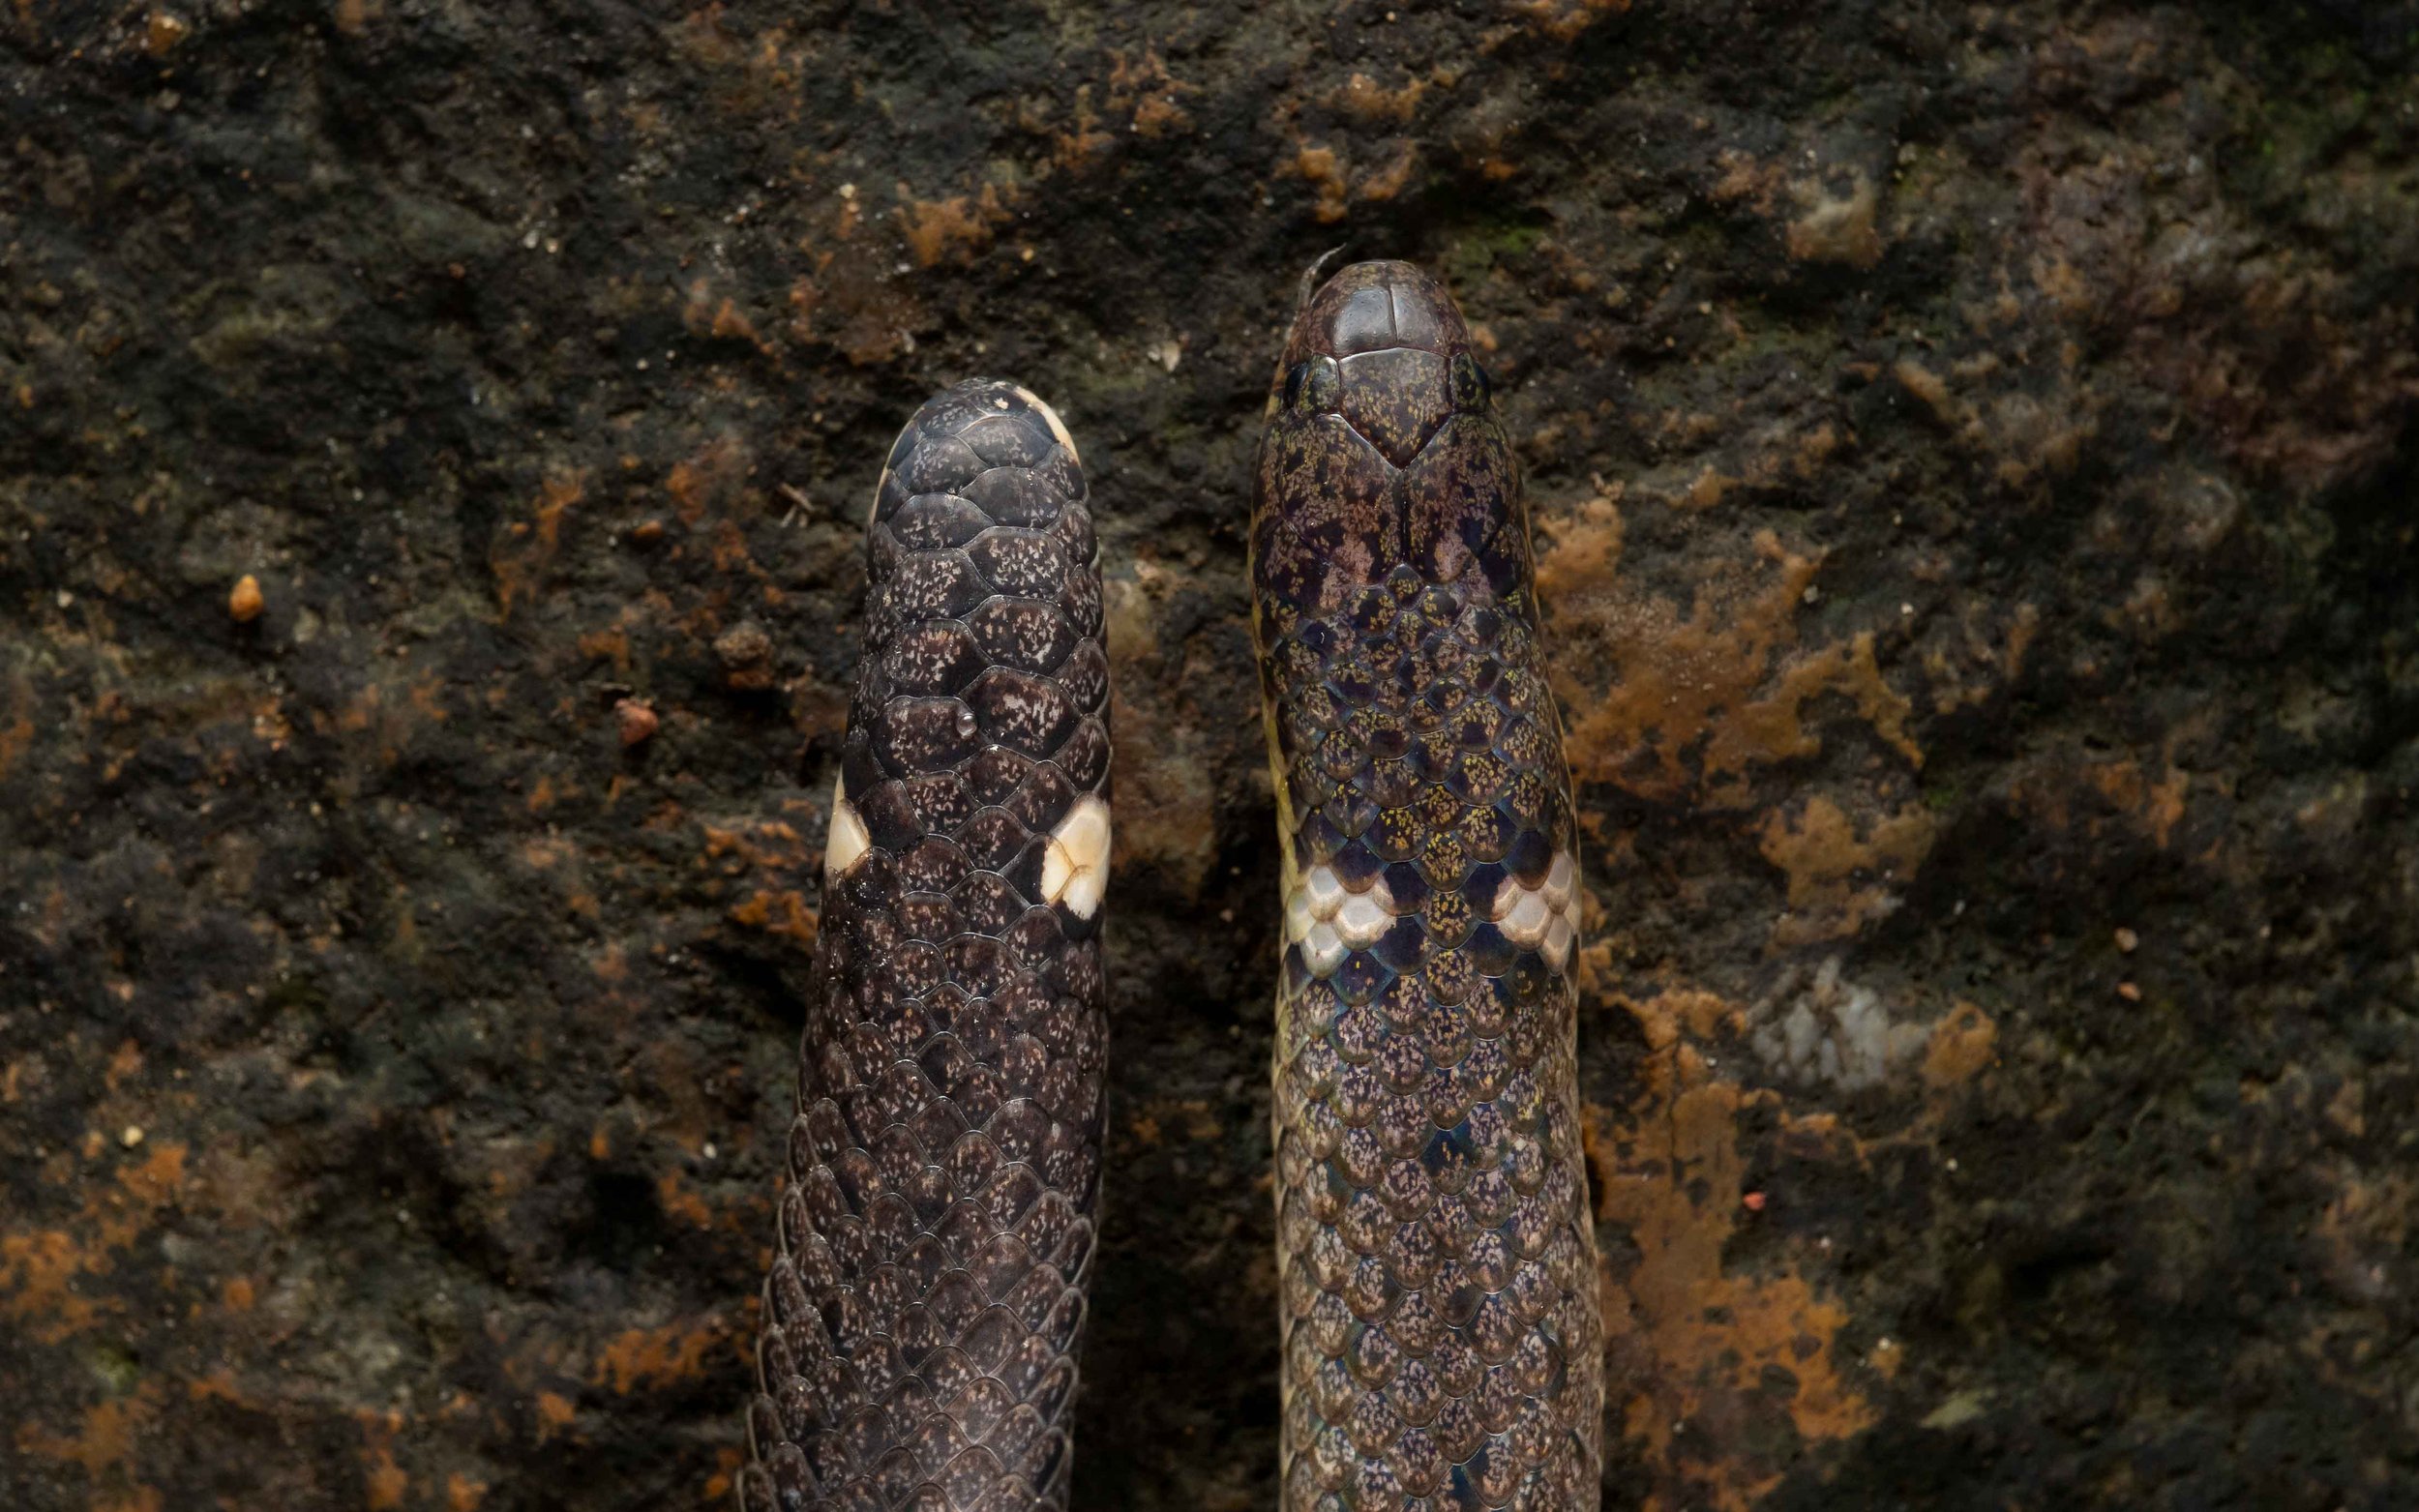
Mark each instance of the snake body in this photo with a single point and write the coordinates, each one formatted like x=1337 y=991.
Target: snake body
x=1435 y=1259
x=935 y=1234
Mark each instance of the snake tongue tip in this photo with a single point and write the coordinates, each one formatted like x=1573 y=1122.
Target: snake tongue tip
x=1310 y=275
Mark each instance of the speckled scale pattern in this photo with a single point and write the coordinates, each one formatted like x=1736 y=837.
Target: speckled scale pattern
x=1437 y=1260
x=937 y=1230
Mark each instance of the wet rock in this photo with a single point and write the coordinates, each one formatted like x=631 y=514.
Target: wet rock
x=1969 y=450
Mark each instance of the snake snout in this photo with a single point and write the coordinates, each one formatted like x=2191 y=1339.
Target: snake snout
x=1373 y=307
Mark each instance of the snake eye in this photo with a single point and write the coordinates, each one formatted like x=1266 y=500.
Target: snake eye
x=1322 y=387
x=1294 y=376
x=1470 y=387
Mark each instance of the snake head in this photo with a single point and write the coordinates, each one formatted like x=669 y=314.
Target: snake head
x=1382 y=450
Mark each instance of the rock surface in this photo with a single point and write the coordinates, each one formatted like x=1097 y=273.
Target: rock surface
x=1971 y=448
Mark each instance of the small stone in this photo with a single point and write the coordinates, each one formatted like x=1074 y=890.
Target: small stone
x=2126 y=940
x=164 y=30
x=638 y=722
x=747 y=656
x=131 y=1136
x=2128 y=991
x=246 y=603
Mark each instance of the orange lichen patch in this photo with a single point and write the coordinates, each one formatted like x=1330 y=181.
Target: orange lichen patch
x=2067 y=794
x=712 y=314
x=668 y=1356
x=1390 y=179
x=1744 y=180
x=1074 y=149
x=387 y=1483
x=1961 y=1045
x=2021 y=435
x=1701 y=701
x=1563 y=22
x=1144 y=86
x=556 y=1413
x=1932 y=389
x=961 y=224
x=38 y=1267
x=852 y=301
x=125 y=1062
x=1986 y=655
x=217 y=1386
x=1361 y=98
x=462 y=1493
x=237 y=1295
x=16 y=729
x=782 y=914
x=1321 y=170
x=1840 y=228
x=1690 y=1347
x=391 y=714
x=772 y=848
x=1585 y=551
x=726 y=1469
x=1839 y=881
x=36 y=1270
x=105 y=1438
x=677 y=1200
x=707 y=479
x=526 y=547
x=1189 y=1118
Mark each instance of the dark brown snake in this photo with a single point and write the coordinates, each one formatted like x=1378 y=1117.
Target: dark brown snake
x=935 y=1234
x=1436 y=1261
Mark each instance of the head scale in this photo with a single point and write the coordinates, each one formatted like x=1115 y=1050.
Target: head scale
x=1383 y=452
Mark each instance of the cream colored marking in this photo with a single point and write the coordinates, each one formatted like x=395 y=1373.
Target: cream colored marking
x=1323 y=950
x=875 y=507
x=1325 y=891
x=1560 y=936
x=848 y=839
x=1297 y=915
x=1058 y=426
x=1544 y=918
x=1319 y=906
x=1075 y=866
x=1560 y=879
x=1362 y=920
x=1507 y=893
x=1524 y=924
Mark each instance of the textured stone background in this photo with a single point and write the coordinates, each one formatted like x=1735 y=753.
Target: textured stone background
x=1972 y=450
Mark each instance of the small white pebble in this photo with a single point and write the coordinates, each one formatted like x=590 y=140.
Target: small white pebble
x=133 y=1136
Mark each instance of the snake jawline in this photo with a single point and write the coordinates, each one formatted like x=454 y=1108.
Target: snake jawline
x=1437 y=1263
